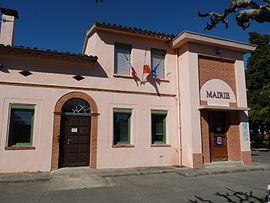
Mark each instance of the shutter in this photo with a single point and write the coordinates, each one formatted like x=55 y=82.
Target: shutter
x=122 y=53
x=158 y=58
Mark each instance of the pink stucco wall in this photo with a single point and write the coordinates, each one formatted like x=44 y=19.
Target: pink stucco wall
x=98 y=76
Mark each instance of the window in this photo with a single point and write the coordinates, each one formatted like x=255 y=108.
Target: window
x=122 y=59
x=121 y=126
x=76 y=107
x=157 y=60
x=158 y=126
x=21 y=125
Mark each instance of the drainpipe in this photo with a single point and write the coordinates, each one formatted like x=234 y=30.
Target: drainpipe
x=178 y=107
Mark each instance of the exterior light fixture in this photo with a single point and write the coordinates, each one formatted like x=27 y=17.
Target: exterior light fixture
x=218 y=51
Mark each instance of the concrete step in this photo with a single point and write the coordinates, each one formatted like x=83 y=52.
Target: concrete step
x=73 y=170
x=224 y=164
x=75 y=181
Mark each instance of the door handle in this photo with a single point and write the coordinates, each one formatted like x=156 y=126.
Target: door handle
x=69 y=141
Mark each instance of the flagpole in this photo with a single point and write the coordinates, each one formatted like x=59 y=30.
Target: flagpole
x=144 y=65
x=128 y=61
x=133 y=72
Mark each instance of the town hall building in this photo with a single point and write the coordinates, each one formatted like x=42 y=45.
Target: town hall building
x=132 y=98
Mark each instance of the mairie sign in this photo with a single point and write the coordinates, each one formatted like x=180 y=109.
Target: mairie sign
x=216 y=92
x=218 y=95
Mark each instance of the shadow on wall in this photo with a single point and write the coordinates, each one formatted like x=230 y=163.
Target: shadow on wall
x=91 y=69
x=135 y=42
x=233 y=118
x=155 y=82
x=231 y=196
x=4 y=70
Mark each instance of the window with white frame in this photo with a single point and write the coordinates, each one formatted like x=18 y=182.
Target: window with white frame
x=157 y=62
x=122 y=59
x=158 y=119
x=21 y=124
x=121 y=125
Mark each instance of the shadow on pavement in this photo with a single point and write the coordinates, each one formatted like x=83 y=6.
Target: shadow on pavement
x=232 y=196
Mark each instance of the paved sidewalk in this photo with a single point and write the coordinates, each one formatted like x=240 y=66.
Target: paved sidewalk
x=98 y=174
x=24 y=177
x=223 y=170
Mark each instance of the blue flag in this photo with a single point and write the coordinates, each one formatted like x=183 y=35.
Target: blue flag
x=154 y=71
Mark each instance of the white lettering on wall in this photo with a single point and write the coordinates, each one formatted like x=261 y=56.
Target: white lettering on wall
x=216 y=92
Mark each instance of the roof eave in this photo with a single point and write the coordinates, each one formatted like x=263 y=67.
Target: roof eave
x=35 y=51
x=98 y=26
x=88 y=33
x=189 y=37
x=152 y=36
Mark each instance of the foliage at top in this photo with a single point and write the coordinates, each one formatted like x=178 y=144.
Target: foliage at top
x=246 y=10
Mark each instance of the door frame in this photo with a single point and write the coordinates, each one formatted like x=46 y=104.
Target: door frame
x=57 y=125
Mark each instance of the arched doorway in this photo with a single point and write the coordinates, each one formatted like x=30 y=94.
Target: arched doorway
x=74 y=142
x=75 y=114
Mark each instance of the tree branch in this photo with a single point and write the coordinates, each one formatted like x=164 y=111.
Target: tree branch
x=249 y=10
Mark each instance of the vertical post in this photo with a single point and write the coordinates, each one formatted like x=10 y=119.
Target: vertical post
x=268 y=192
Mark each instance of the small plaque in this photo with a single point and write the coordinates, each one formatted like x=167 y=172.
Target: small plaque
x=74 y=130
x=219 y=140
x=218 y=129
x=245 y=131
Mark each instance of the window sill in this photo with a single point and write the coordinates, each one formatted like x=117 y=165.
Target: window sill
x=162 y=80
x=123 y=146
x=130 y=77
x=20 y=148
x=122 y=76
x=160 y=145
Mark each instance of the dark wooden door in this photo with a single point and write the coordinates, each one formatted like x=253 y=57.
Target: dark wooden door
x=218 y=125
x=74 y=141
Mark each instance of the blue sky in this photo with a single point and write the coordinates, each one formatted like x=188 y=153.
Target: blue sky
x=62 y=24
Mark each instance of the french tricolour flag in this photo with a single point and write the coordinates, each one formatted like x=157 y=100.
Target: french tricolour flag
x=146 y=69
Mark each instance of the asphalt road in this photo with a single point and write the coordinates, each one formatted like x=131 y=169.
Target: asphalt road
x=261 y=156
x=234 y=187
x=168 y=187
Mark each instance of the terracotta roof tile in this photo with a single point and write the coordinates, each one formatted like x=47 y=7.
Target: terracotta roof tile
x=136 y=30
